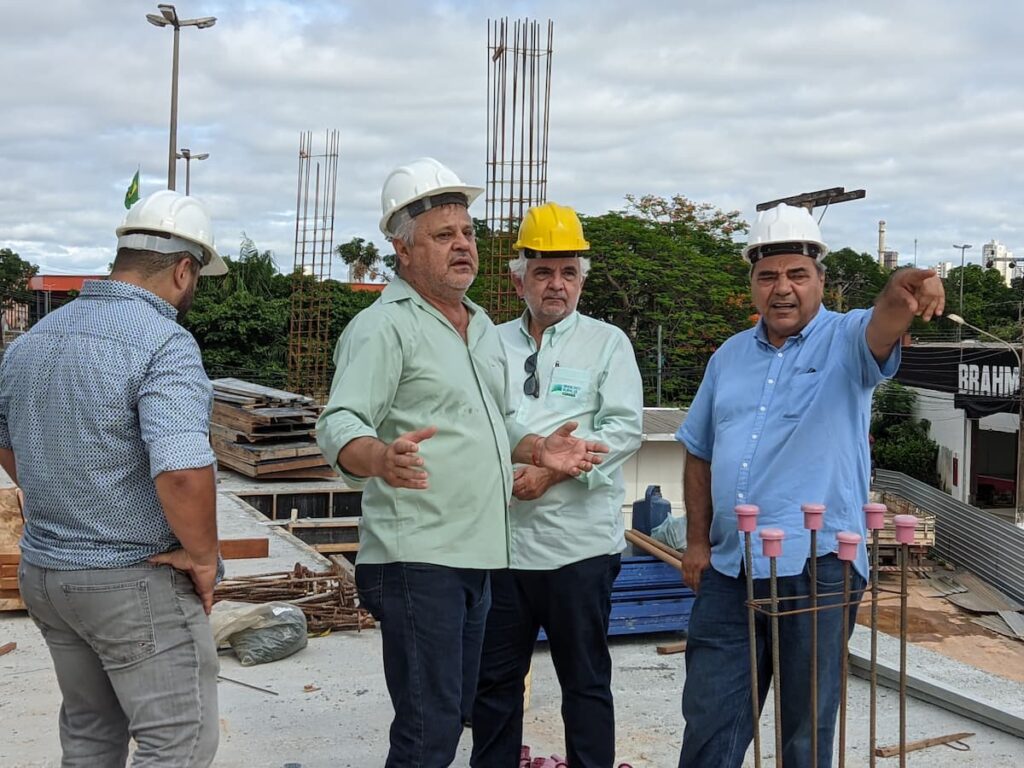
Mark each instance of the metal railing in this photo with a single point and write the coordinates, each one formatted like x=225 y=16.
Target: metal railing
x=979 y=541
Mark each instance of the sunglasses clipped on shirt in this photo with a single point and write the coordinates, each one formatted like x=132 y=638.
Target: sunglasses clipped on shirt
x=531 y=387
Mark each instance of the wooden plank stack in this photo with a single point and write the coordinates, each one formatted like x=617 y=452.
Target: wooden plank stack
x=11 y=524
x=265 y=433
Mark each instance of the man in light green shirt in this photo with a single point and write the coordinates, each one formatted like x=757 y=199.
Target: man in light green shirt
x=566 y=532
x=417 y=417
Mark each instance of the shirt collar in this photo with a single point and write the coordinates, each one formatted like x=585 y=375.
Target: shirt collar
x=560 y=328
x=762 y=335
x=399 y=290
x=116 y=289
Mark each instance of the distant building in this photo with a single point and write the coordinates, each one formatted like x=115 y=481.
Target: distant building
x=890 y=259
x=52 y=291
x=997 y=256
x=943 y=268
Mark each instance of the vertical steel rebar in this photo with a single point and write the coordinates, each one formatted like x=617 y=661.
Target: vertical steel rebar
x=873 y=713
x=844 y=664
x=814 y=647
x=754 y=692
x=904 y=556
x=776 y=666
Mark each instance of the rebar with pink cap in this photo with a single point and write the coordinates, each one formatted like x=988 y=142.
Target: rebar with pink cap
x=746 y=522
x=849 y=546
x=874 y=518
x=814 y=518
x=905 y=528
x=771 y=547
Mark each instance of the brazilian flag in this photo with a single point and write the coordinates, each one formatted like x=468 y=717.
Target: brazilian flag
x=132 y=195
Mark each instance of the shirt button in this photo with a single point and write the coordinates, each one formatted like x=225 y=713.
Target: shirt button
x=745 y=465
x=753 y=437
x=739 y=495
x=761 y=409
x=771 y=381
x=780 y=354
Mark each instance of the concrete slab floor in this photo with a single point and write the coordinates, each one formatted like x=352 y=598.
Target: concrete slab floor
x=345 y=721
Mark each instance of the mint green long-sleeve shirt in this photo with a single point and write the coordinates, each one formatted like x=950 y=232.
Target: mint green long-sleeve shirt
x=402 y=366
x=588 y=373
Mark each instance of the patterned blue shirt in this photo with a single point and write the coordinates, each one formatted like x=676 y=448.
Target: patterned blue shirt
x=784 y=427
x=99 y=398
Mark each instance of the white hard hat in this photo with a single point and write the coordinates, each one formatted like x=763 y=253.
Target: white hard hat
x=169 y=222
x=425 y=181
x=784 y=229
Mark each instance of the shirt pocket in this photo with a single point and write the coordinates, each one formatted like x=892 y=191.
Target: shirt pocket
x=801 y=394
x=570 y=389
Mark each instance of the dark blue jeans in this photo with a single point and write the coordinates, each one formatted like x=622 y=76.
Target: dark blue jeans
x=573 y=604
x=716 y=694
x=431 y=616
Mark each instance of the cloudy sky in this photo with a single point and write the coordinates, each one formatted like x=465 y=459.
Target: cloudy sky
x=726 y=101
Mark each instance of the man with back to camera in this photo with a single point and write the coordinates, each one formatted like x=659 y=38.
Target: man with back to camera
x=104 y=421
x=781 y=419
x=435 y=501
x=567 y=533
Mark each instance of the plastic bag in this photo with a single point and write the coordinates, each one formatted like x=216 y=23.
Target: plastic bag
x=671 y=531
x=259 y=632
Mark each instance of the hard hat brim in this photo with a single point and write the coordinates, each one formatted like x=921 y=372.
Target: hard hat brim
x=471 y=193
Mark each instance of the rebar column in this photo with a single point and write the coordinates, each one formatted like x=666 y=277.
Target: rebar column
x=771 y=542
x=875 y=520
x=746 y=521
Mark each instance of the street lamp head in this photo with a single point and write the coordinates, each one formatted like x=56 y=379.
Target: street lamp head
x=956 y=319
x=202 y=156
x=169 y=11
x=963 y=247
x=156 y=21
x=206 y=22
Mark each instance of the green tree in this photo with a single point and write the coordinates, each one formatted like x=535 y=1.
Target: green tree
x=901 y=441
x=988 y=303
x=670 y=263
x=364 y=260
x=15 y=273
x=852 y=280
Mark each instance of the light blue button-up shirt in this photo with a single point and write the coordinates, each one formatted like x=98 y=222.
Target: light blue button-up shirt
x=587 y=372
x=99 y=398
x=784 y=427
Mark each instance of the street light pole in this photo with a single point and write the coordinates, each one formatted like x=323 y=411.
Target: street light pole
x=1019 y=483
x=962 y=248
x=169 y=18
x=188 y=157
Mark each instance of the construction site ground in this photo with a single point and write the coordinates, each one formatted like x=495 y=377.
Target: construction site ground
x=328 y=704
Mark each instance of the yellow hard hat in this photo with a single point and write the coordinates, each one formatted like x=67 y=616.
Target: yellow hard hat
x=550 y=230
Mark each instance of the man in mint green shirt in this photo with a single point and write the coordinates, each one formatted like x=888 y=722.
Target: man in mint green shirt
x=566 y=532
x=417 y=417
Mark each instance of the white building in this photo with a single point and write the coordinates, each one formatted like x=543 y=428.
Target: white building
x=997 y=256
x=943 y=268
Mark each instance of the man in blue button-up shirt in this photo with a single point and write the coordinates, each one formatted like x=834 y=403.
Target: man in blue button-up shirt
x=104 y=422
x=781 y=419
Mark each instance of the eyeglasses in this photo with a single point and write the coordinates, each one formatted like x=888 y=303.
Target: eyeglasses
x=531 y=387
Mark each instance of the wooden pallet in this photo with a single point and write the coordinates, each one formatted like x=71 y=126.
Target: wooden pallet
x=11 y=525
x=266 y=433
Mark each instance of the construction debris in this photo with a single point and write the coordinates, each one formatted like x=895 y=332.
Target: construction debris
x=266 y=433
x=7 y=648
x=328 y=600
x=952 y=740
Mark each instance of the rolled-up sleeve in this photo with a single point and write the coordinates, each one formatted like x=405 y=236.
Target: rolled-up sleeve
x=175 y=398
x=368 y=368
x=618 y=422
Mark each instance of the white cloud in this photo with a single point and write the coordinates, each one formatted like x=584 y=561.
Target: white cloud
x=730 y=102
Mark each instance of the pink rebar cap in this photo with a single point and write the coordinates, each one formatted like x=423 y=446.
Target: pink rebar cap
x=814 y=514
x=905 y=526
x=771 y=541
x=849 y=543
x=874 y=513
x=746 y=517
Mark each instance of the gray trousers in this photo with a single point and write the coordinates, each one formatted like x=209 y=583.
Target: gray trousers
x=134 y=657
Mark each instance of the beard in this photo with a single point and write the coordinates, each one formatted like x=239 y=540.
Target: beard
x=185 y=302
